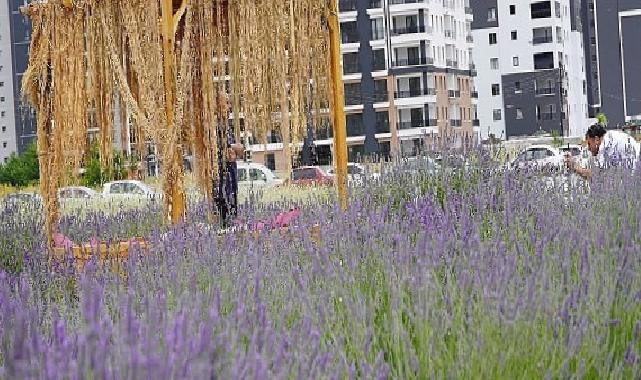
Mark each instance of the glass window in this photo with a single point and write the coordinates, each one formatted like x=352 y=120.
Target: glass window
x=519 y=114
x=302 y=174
x=494 y=63
x=496 y=89
x=242 y=175
x=512 y=9
x=514 y=35
x=257 y=175
x=492 y=37
x=496 y=114
x=491 y=14
x=515 y=61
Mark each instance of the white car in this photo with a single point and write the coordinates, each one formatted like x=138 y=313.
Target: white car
x=76 y=192
x=356 y=173
x=128 y=189
x=251 y=174
x=538 y=156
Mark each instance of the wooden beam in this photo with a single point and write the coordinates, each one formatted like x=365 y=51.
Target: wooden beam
x=176 y=196
x=338 y=114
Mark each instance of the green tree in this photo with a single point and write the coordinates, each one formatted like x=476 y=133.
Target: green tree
x=602 y=119
x=21 y=170
x=95 y=175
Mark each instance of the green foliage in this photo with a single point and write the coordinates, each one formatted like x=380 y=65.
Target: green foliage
x=602 y=119
x=21 y=170
x=557 y=139
x=96 y=175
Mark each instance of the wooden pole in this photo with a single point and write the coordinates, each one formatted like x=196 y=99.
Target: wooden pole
x=338 y=114
x=176 y=196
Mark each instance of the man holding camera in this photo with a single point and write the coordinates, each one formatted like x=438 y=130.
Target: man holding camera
x=609 y=148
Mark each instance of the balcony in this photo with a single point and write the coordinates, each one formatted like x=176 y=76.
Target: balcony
x=449 y=33
x=375 y=4
x=453 y=93
x=541 y=40
x=400 y=30
x=451 y=63
x=402 y=94
x=411 y=124
x=347 y=5
x=379 y=97
x=456 y=122
x=348 y=38
x=469 y=38
x=382 y=127
x=545 y=91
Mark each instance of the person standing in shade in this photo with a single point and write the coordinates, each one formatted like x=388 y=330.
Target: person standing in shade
x=226 y=188
x=609 y=148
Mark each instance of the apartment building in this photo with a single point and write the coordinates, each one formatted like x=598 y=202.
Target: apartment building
x=531 y=67
x=17 y=121
x=611 y=35
x=408 y=74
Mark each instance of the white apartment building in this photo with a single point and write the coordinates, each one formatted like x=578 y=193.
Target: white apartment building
x=7 y=108
x=531 y=68
x=408 y=74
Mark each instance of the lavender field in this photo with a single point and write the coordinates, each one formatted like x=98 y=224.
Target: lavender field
x=464 y=273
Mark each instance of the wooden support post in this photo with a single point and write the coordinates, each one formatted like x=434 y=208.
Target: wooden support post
x=338 y=102
x=176 y=196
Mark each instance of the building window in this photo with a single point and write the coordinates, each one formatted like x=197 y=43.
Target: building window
x=1 y=98
x=379 y=59
x=514 y=35
x=4 y=128
x=378 y=29
x=2 y=113
x=492 y=38
x=517 y=87
x=1 y=84
x=494 y=63
x=496 y=89
x=270 y=161
x=491 y=14
x=519 y=114
x=5 y=160
x=512 y=9
x=4 y=144
x=515 y=61
x=351 y=64
x=496 y=114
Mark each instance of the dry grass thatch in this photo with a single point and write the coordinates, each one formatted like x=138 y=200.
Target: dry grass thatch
x=254 y=59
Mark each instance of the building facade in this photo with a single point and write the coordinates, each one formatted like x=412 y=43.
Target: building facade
x=612 y=31
x=531 y=68
x=408 y=75
x=17 y=120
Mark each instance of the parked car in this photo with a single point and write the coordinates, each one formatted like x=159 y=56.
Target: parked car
x=76 y=192
x=252 y=175
x=22 y=198
x=356 y=173
x=311 y=175
x=128 y=189
x=538 y=156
